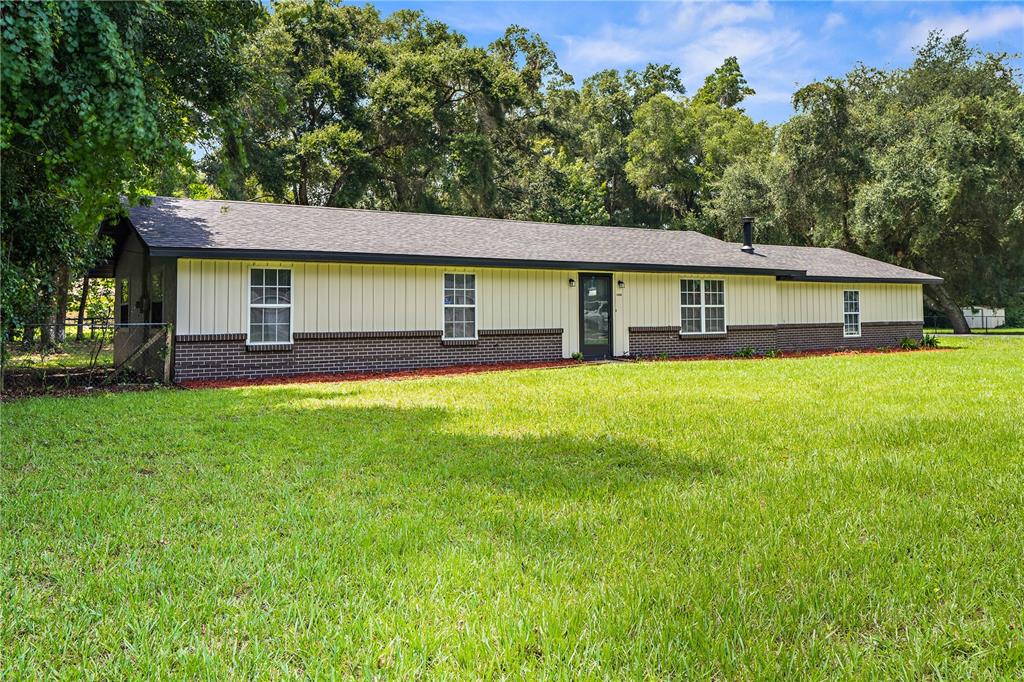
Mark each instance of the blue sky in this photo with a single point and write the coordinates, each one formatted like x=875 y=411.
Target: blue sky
x=780 y=45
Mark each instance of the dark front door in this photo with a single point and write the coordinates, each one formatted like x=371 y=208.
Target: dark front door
x=595 y=316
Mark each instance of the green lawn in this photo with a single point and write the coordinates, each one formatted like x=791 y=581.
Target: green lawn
x=844 y=516
x=997 y=330
x=72 y=354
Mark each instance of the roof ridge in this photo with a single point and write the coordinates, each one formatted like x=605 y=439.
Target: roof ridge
x=442 y=215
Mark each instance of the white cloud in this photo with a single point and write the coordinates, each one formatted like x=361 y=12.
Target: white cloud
x=604 y=52
x=753 y=47
x=730 y=14
x=833 y=21
x=697 y=37
x=991 y=22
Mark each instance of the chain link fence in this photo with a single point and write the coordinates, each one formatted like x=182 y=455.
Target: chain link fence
x=981 y=322
x=100 y=352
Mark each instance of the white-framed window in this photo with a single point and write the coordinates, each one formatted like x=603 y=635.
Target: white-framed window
x=459 y=304
x=270 y=305
x=851 y=313
x=702 y=306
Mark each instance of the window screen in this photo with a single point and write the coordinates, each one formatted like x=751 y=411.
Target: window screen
x=459 y=306
x=270 y=305
x=702 y=306
x=851 y=313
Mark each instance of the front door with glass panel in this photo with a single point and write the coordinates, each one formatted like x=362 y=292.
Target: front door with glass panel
x=595 y=316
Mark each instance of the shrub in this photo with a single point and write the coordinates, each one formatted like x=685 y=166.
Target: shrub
x=745 y=352
x=907 y=343
x=930 y=341
x=663 y=356
x=772 y=353
x=1015 y=311
x=577 y=356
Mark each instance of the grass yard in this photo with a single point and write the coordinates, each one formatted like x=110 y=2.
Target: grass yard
x=845 y=516
x=71 y=355
x=997 y=330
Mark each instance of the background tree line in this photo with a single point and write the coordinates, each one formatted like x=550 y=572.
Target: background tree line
x=327 y=104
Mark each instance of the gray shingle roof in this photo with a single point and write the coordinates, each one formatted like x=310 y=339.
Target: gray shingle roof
x=214 y=228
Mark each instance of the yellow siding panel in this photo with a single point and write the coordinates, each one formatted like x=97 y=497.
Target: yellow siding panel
x=182 y=297
x=212 y=297
x=222 y=291
x=195 y=297
x=822 y=302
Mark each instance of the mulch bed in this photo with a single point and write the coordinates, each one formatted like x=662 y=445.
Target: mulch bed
x=361 y=376
x=17 y=389
x=27 y=382
x=791 y=355
x=502 y=367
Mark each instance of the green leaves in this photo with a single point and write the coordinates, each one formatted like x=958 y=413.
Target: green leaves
x=726 y=86
x=98 y=99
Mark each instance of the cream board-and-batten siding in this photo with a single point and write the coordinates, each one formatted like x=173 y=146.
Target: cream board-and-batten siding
x=212 y=298
x=816 y=302
x=342 y=297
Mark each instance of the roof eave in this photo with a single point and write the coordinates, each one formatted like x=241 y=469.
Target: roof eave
x=924 y=279
x=408 y=259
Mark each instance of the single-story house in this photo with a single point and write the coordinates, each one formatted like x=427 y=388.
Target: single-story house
x=258 y=289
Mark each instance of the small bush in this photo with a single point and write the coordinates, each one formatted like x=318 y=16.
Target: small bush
x=745 y=352
x=772 y=353
x=907 y=343
x=663 y=356
x=1015 y=311
x=930 y=341
x=577 y=356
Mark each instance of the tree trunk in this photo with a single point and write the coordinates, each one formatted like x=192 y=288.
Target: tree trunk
x=60 y=315
x=28 y=336
x=46 y=336
x=81 y=308
x=938 y=293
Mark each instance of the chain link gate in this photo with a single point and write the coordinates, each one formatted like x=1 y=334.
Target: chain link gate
x=100 y=353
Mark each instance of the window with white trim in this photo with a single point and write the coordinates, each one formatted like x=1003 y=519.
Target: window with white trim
x=702 y=306
x=270 y=305
x=851 y=313
x=459 y=303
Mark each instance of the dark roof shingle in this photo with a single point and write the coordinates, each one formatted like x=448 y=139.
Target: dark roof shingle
x=215 y=228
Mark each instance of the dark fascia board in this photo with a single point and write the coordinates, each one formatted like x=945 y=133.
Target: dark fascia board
x=405 y=259
x=865 y=280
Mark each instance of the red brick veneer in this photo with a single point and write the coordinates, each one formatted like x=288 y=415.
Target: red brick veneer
x=654 y=341
x=827 y=336
x=226 y=356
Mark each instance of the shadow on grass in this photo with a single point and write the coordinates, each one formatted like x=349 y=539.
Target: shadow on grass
x=429 y=446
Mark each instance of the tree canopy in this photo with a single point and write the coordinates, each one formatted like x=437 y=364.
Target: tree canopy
x=99 y=98
x=329 y=104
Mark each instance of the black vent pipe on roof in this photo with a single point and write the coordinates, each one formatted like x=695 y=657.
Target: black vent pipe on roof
x=748 y=235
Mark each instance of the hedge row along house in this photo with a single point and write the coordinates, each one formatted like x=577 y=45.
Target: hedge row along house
x=257 y=289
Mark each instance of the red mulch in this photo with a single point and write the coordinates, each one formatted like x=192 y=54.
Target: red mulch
x=10 y=394
x=500 y=367
x=360 y=376
x=789 y=355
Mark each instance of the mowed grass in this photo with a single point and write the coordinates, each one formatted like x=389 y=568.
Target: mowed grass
x=845 y=516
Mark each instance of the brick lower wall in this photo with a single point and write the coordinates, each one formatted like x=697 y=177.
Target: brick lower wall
x=655 y=341
x=826 y=336
x=225 y=356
